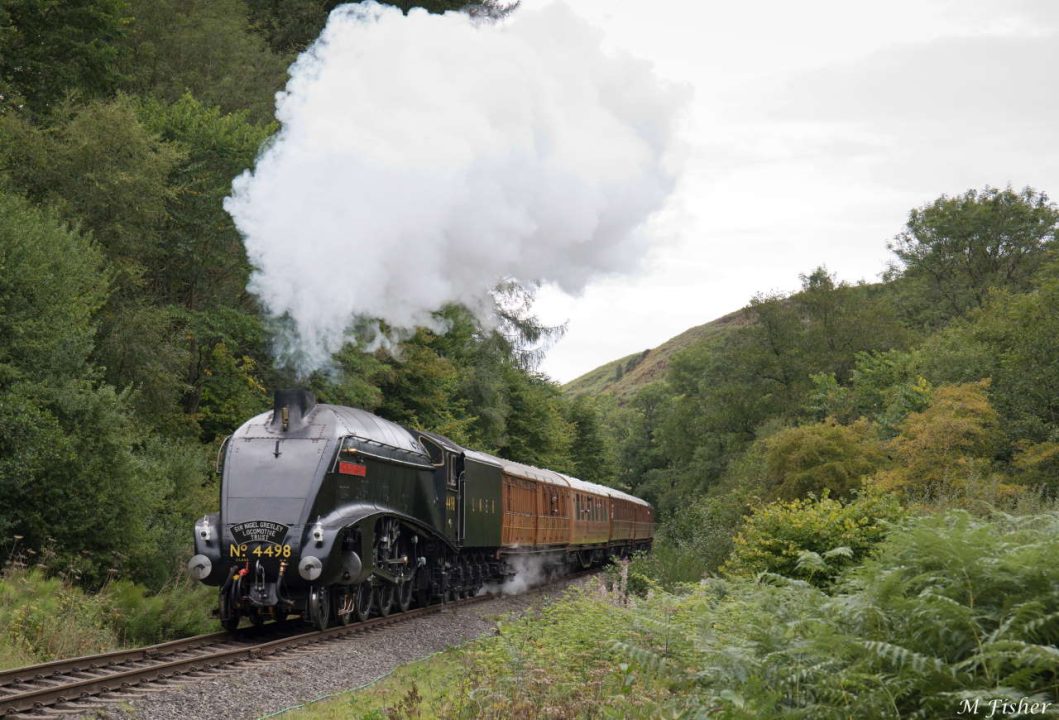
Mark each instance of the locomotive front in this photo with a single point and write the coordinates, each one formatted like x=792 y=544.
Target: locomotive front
x=295 y=495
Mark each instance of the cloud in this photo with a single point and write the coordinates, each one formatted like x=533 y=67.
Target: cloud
x=423 y=158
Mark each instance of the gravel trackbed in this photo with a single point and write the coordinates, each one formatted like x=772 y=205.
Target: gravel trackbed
x=260 y=688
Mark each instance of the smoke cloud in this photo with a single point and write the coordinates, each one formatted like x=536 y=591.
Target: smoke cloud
x=423 y=158
x=527 y=572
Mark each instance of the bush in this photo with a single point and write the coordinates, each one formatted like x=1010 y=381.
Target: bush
x=811 y=539
x=947 y=447
x=952 y=610
x=690 y=544
x=45 y=618
x=181 y=609
x=822 y=457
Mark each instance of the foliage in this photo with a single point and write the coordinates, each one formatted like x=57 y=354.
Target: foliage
x=49 y=48
x=950 y=609
x=818 y=458
x=811 y=539
x=52 y=283
x=589 y=452
x=203 y=47
x=948 y=445
x=42 y=618
x=1021 y=333
x=691 y=544
x=104 y=170
x=203 y=263
x=959 y=248
x=180 y=609
x=883 y=387
x=1037 y=466
x=721 y=394
x=289 y=25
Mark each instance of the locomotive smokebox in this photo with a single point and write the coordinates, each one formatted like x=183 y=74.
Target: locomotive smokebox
x=290 y=408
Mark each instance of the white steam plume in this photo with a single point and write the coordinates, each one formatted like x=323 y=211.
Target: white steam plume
x=423 y=158
x=527 y=572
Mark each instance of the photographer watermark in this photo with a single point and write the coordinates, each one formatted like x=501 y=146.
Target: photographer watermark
x=1005 y=707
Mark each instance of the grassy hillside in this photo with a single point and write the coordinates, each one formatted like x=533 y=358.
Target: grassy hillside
x=623 y=377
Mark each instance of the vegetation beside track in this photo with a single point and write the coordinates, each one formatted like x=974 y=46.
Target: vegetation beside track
x=43 y=618
x=950 y=607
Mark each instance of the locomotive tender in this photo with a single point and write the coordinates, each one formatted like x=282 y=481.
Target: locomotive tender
x=334 y=513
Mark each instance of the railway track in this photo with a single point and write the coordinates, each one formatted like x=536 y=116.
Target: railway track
x=85 y=684
x=79 y=684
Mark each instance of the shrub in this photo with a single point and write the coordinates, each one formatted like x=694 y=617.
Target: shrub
x=180 y=609
x=822 y=457
x=949 y=446
x=811 y=538
x=951 y=610
x=45 y=618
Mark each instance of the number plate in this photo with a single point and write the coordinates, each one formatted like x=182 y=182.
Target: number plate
x=247 y=551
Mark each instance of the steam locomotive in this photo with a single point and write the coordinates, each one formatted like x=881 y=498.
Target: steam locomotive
x=336 y=514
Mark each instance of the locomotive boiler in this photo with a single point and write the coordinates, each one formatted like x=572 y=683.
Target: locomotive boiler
x=336 y=514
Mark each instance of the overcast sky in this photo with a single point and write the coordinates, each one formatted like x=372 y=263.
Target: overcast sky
x=815 y=127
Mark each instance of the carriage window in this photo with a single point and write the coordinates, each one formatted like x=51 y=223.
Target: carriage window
x=453 y=476
x=437 y=455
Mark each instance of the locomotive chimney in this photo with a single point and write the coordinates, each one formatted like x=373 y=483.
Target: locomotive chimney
x=290 y=408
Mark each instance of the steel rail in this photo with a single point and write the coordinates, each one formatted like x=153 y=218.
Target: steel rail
x=165 y=665
x=43 y=671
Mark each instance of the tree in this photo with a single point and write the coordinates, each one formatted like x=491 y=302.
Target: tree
x=820 y=458
x=49 y=48
x=69 y=477
x=104 y=170
x=947 y=447
x=883 y=387
x=53 y=281
x=591 y=459
x=1021 y=332
x=537 y=432
x=841 y=321
x=203 y=263
x=956 y=249
x=419 y=388
x=205 y=47
x=290 y=26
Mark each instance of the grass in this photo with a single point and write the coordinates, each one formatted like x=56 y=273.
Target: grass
x=45 y=618
x=948 y=609
x=553 y=663
x=624 y=377
x=427 y=684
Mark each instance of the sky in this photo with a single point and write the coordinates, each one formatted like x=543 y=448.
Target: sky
x=814 y=128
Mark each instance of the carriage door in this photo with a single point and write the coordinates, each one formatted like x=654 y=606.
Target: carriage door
x=454 y=500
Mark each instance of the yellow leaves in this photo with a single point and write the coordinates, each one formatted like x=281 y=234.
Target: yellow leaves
x=775 y=535
x=945 y=447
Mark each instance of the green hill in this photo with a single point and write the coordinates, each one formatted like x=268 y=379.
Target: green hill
x=624 y=377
